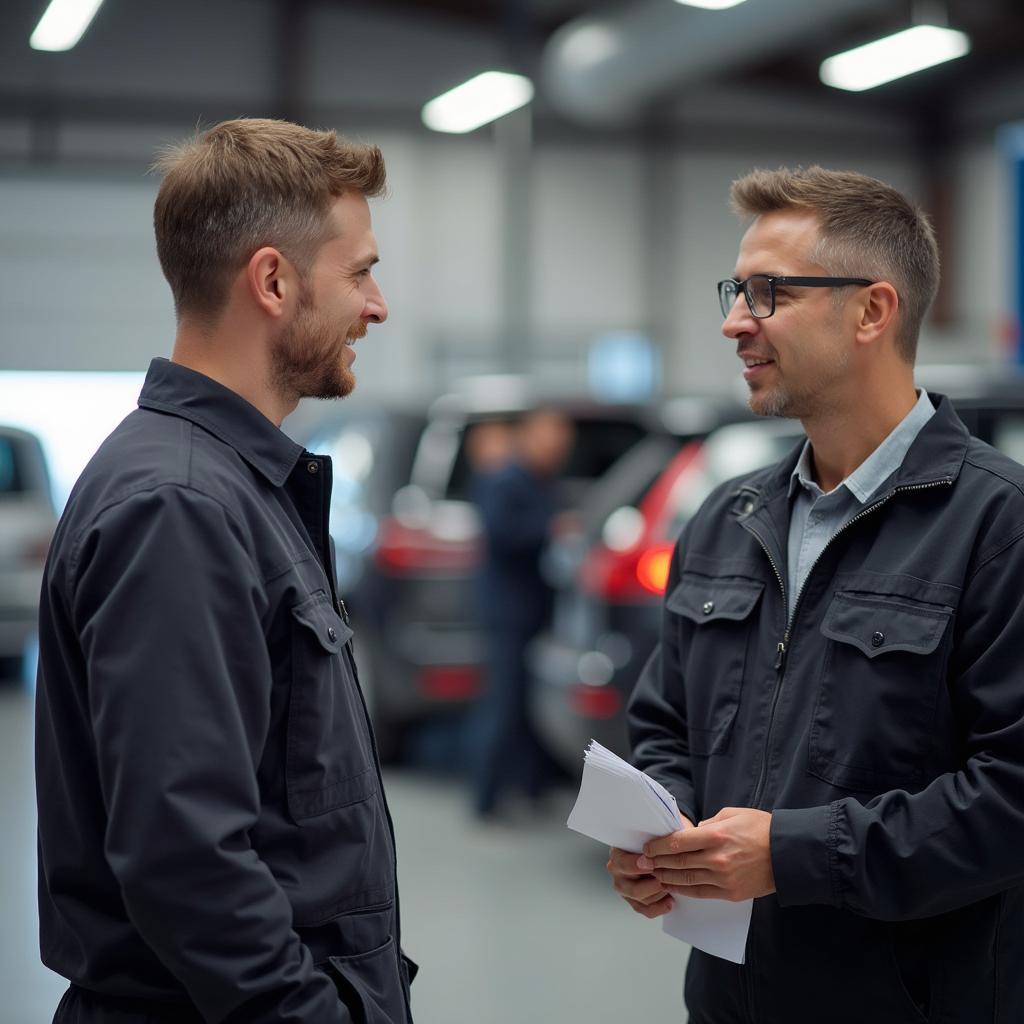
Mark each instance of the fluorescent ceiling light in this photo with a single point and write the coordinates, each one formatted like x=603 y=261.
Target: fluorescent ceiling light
x=711 y=5
x=484 y=98
x=890 y=58
x=63 y=24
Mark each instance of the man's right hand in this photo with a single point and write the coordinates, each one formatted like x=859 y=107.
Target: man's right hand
x=640 y=889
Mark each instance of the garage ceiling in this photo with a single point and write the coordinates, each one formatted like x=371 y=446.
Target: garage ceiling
x=375 y=62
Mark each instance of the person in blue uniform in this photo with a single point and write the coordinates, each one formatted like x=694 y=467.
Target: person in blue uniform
x=518 y=502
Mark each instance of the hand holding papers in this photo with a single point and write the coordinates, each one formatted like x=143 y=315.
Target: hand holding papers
x=621 y=806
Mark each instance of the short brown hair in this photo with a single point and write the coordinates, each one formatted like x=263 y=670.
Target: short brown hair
x=868 y=229
x=244 y=184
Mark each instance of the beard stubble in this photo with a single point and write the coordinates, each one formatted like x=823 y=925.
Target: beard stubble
x=306 y=358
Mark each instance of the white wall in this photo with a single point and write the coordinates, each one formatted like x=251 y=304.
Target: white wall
x=82 y=286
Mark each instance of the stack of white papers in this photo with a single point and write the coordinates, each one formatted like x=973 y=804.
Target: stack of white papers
x=619 y=805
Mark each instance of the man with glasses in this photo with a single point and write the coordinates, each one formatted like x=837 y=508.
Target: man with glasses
x=837 y=702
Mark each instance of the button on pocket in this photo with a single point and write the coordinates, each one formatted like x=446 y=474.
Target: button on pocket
x=329 y=763
x=882 y=674
x=715 y=622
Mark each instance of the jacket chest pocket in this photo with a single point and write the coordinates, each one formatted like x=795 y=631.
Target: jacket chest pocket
x=329 y=761
x=883 y=672
x=715 y=621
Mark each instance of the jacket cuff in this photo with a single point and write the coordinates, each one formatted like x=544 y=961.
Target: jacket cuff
x=801 y=844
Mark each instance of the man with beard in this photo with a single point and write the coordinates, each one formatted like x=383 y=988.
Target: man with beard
x=837 y=698
x=214 y=842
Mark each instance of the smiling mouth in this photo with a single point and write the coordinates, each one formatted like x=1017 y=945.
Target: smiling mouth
x=751 y=363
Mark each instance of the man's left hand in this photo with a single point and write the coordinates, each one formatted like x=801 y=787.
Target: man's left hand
x=727 y=857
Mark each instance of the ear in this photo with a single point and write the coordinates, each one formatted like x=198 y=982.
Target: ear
x=877 y=312
x=271 y=281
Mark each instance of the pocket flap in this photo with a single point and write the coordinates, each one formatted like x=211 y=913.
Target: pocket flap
x=881 y=625
x=319 y=617
x=701 y=599
x=370 y=985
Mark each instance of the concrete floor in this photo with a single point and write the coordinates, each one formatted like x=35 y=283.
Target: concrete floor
x=508 y=924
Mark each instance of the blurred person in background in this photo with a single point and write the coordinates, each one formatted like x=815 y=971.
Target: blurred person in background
x=838 y=698
x=214 y=842
x=490 y=446
x=518 y=501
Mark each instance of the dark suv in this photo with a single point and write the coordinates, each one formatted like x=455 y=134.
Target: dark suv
x=407 y=537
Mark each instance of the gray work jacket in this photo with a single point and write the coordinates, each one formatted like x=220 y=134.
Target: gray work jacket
x=882 y=725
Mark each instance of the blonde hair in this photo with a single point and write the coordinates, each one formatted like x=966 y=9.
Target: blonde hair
x=244 y=184
x=868 y=229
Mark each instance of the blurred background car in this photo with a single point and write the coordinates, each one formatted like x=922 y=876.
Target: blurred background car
x=608 y=604
x=27 y=521
x=407 y=536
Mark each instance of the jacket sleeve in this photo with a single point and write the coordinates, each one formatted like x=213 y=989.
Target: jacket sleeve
x=957 y=841
x=168 y=605
x=657 y=713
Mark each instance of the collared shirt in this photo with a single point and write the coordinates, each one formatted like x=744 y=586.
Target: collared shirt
x=817 y=517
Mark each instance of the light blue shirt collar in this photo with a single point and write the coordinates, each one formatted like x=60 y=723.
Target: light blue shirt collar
x=865 y=480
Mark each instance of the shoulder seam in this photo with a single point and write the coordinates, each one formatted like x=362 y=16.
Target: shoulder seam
x=994 y=472
x=1008 y=543
x=120 y=499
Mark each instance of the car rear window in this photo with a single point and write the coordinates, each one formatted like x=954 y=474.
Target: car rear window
x=599 y=443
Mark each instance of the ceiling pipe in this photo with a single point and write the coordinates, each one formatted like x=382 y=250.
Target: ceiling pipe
x=603 y=68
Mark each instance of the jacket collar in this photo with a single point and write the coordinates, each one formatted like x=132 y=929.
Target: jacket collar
x=179 y=391
x=936 y=456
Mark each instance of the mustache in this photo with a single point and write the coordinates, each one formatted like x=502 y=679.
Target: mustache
x=357 y=331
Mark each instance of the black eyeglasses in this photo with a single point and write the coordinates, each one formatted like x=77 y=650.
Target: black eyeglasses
x=759 y=290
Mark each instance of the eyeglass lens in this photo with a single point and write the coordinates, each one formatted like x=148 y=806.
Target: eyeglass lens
x=759 y=294
x=757 y=290
x=727 y=292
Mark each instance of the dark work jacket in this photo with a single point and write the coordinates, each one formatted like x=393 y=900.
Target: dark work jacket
x=516 y=507
x=883 y=727
x=214 y=841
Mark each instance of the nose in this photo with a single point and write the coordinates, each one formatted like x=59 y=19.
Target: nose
x=376 y=308
x=740 y=320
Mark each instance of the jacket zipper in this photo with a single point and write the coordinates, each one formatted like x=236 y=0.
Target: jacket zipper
x=783 y=646
x=387 y=814
x=325 y=542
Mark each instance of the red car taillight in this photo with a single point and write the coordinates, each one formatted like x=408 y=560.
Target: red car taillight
x=640 y=572
x=450 y=682
x=652 y=568
x=408 y=550
x=624 y=575
x=600 y=702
